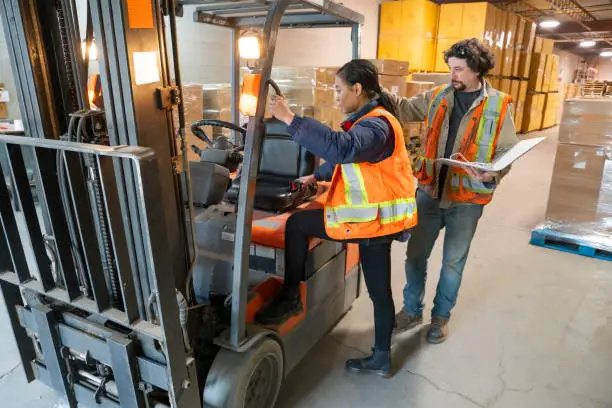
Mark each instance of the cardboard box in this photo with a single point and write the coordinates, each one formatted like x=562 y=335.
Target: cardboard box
x=520 y=33
x=536 y=73
x=3 y=110
x=533 y=111
x=414 y=19
x=495 y=82
x=414 y=88
x=551 y=105
x=509 y=40
x=537 y=45
x=325 y=76
x=391 y=67
x=394 y=84
x=547 y=46
x=459 y=21
x=587 y=122
x=581 y=189
x=436 y=78
x=554 y=73
x=506 y=86
x=442 y=45
x=514 y=90
x=547 y=78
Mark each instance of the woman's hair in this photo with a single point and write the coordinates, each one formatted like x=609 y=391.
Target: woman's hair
x=365 y=73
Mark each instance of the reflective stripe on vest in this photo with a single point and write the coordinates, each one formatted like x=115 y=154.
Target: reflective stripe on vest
x=390 y=211
x=487 y=128
x=354 y=186
x=438 y=96
x=470 y=184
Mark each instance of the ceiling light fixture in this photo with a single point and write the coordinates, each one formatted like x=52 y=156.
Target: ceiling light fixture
x=549 y=23
x=606 y=54
x=587 y=43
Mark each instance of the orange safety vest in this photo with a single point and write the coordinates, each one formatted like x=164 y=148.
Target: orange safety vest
x=477 y=145
x=368 y=200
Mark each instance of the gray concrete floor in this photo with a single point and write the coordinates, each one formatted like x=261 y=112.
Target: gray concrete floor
x=532 y=328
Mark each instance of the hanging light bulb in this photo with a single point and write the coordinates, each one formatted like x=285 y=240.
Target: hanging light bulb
x=248 y=46
x=587 y=43
x=93 y=50
x=549 y=24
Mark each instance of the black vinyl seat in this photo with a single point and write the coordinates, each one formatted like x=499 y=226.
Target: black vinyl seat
x=282 y=162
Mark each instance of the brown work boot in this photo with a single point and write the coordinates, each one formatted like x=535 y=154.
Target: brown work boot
x=438 y=330
x=405 y=321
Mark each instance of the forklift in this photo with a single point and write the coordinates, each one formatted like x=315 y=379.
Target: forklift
x=131 y=275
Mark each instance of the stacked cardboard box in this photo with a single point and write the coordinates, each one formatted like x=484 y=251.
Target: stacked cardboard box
x=551 y=107
x=459 y=21
x=580 y=199
x=414 y=88
x=571 y=91
x=407 y=31
x=533 y=112
x=524 y=47
x=392 y=75
x=520 y=104
x=507 y=63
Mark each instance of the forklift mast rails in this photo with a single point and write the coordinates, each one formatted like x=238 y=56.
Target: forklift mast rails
x=98 y=246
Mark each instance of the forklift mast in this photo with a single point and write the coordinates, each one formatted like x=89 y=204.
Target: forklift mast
x=97 y=242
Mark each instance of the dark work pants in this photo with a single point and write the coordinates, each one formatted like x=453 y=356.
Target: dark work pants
x=375 y=257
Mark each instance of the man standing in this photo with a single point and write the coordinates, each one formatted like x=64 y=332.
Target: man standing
x=469 y=117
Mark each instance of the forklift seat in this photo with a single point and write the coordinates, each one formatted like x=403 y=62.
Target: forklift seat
x=282 y=162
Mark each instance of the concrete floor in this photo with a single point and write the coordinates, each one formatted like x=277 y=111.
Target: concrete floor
x=532 y=328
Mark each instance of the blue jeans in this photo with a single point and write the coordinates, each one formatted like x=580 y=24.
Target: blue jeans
x=460 y=222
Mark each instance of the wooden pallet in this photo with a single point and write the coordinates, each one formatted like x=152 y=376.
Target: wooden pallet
x=568 y=243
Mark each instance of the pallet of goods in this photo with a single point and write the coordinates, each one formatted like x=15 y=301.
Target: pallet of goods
x=593 y=89
x=580 y=200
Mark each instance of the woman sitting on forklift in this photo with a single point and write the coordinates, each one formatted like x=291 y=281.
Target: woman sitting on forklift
x=370 y=201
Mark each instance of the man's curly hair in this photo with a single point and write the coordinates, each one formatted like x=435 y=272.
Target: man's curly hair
x=476 y=54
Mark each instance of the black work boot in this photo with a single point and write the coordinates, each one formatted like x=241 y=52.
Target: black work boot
x=280 y=309
x=379 y=363
x=438 y=330
x=405 y=321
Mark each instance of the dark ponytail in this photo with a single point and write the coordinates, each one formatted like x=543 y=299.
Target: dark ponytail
x=365 y=73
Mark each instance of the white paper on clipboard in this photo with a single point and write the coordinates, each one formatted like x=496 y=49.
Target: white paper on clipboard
x=517 y=151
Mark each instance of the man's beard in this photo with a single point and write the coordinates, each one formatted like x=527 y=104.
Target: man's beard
x=459 y=86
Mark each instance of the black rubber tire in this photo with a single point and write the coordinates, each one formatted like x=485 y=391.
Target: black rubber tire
x=234 y=378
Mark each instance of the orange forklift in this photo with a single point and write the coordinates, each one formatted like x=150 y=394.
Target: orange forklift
x=132 y=276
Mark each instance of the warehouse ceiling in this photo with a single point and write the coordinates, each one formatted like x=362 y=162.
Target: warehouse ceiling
x=580 y=20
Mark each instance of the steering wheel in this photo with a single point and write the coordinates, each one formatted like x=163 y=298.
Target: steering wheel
x=199 y=133
x=225 y=143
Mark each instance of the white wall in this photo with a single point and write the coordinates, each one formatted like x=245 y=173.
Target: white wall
x=567 y=65
x=605 y=69
x=329 y=46
x=6 y=77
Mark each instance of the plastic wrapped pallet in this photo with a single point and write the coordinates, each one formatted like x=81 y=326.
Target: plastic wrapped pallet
x=587 y=122
x=579 y=207
x=391 y=67
x=193 y=107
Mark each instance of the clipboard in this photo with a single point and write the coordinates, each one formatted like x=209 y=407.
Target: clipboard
x=514 y=153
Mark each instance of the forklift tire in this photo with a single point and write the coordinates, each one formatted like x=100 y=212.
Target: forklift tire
x=245 y=380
